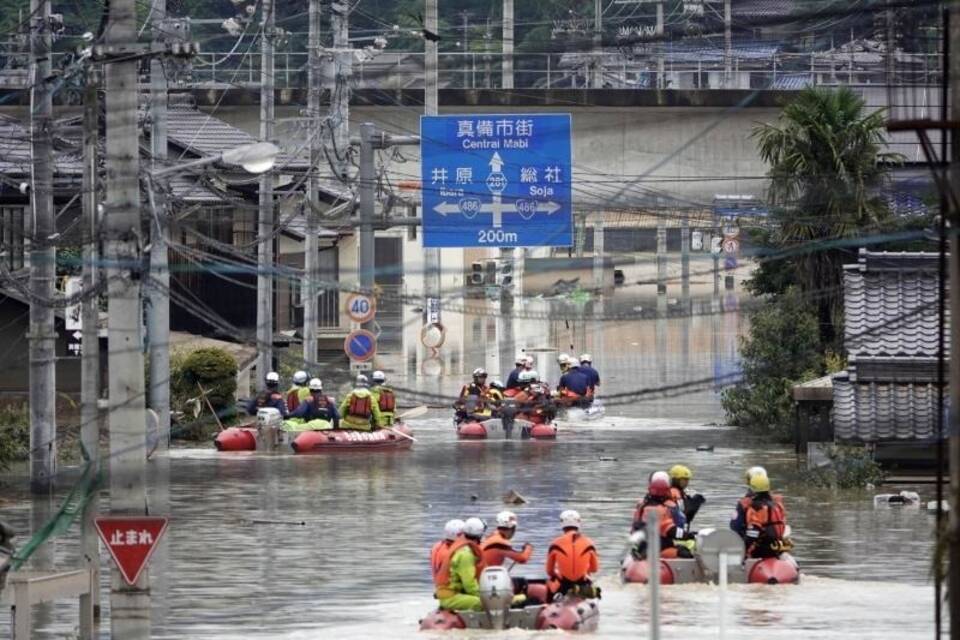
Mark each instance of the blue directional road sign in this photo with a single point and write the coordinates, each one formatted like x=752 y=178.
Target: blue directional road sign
x=498 y=180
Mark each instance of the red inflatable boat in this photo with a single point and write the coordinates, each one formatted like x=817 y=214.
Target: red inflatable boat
x=570 y=614
x=782 y=570
x=346 y=440
x=471 y=431
x=242 y=438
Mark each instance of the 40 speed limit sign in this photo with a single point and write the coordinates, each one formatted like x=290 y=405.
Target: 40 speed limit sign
x=361 y=307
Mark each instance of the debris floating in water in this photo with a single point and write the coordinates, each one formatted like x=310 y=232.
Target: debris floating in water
x=704 y=447
x=513 y=497
x=607 y=459
x=904 y=498
x=296 y=523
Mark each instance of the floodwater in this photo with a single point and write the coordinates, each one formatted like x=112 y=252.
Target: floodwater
x=277 y=546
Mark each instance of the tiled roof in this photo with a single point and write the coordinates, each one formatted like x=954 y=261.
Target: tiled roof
x=890 y=305
x=752 y=9
x=15 y=152
x=883 y=411
x=296 y=226
x=791 y=81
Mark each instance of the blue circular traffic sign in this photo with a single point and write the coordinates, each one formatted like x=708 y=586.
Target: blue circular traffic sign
x=360 y=345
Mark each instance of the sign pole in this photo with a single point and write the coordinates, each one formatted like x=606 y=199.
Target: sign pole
x=653 y=573
x=723 y=595
x=367 y=238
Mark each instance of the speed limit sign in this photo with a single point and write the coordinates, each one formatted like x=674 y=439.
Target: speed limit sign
x=361 y=307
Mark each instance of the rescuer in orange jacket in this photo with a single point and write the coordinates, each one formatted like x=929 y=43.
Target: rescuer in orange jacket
x=689 y=502
x=440 y=553
x=674 y=540
x=766 y=521
x=571 y=560
x=497 y=548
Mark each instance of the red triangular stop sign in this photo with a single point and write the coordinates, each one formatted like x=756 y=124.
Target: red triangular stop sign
x=131 y=541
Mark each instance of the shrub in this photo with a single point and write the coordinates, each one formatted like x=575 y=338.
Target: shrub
x=850 y=467
x=213 y=369
x=14 y=434
x=781 y=350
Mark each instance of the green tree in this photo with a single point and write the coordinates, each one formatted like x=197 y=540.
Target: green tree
x=781 y=350
x=827 y=164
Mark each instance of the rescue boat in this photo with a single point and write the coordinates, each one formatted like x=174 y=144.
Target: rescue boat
x=399 y=436
x=782 y=570
x=242 y=438
x=496 y=594
x=475 y=430
x=471 y=431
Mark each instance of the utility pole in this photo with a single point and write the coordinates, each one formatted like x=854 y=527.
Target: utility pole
x=266 y=220
x=598 y=44
x=158 y=311
x=311 y=257
x=685 y=256
x=342 y=76
x=43 y=416
x=953 y=279
x=129 y=605
x=727 y=43
x=465 y=16
x=661 y=69
x=368 y=177
x=661 y=252
x=90 y=341
x=431 y=256
x=507 y=61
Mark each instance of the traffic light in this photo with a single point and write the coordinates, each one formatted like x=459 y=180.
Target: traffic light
x=476 y=274
x=505 y=274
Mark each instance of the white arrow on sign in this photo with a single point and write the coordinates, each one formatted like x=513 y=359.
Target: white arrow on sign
x=496 y=162
x=77 y=335
x=498 y=208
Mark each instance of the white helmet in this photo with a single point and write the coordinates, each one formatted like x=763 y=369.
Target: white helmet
x=300 y=377
x=474 y=527
x=507 y=520
x=570 y=518
x=362 y=381
x=316 y=384
x=528 y=361
x=660 y=475
x=585 y=357
x=273 y=378
x=379 y=376
x=563 y=359
x=527 y=376
x=479 y=372
x=452 y=529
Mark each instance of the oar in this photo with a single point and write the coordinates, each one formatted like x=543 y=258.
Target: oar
x=416 y=412
x=210 y=406
x=400 y=433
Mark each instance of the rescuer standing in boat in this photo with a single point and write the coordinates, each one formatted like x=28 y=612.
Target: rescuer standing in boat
x=688 y=501
x=358 y=409
x=674 y=539
x=317 y=406
x=571 y=560
x=456 y=581
x=385 y=399
x=440 y=553
x=586 y=367
x=298 y=391
x=269 y=397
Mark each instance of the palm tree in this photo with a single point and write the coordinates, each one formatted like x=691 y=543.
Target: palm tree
x=826 y=162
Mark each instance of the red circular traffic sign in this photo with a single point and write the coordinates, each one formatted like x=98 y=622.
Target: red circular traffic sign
x=360 y=345
x=731 y=246
x=361 y=307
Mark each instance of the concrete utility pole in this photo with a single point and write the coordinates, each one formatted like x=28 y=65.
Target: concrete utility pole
x=311 y=257
x=368 y=177
x=464 y=46
x=685 y=255
x=727 y=43
x=129 y=606
x=90 y=341
x=431 y=257
x=661 y=69
x=158 y=311
x=507 y=43
x=43 y=416
x=953 y=279
x=342 y=77
x=266 y=222
x=598 y=44
x=661 y=252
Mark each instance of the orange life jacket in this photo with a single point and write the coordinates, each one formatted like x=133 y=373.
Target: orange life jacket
x=497 y=549
x=677 y=496
x=572 y=557
x=442 y=576
x=665 y=521
x=360 y=407
x=638 y=511
x=768 y=515
x=387 y=400
x=439 y=554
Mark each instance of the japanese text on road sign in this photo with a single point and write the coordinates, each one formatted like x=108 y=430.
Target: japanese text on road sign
x=131 y=541
x=496 y=180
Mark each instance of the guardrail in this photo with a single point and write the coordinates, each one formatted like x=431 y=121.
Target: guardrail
x=667 y=67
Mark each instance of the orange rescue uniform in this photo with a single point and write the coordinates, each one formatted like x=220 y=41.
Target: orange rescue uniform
x=497 y=549
x=572 y=557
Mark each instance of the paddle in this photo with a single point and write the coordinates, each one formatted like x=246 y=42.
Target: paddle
x=400 y=433
x=416 y=412
x=210 y=406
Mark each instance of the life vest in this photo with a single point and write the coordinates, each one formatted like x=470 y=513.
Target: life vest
x=571 y=557
x=293 y=399
x=320 y=404
x=442 y=576
x=497 y=549
x=677 y=495
x=360 y=406
x=665 y=516
x=767 y=515
x=439 y=554
x=386 y=399
x=266 y=398
x=494 y=396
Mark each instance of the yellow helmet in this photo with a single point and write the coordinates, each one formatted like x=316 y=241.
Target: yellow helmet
x=753 y=471
x=759 y=482
x=680 y=472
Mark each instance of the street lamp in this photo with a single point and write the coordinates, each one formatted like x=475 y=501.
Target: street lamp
x=258 y=157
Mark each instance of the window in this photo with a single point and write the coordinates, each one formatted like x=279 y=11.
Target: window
x=12 y=237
